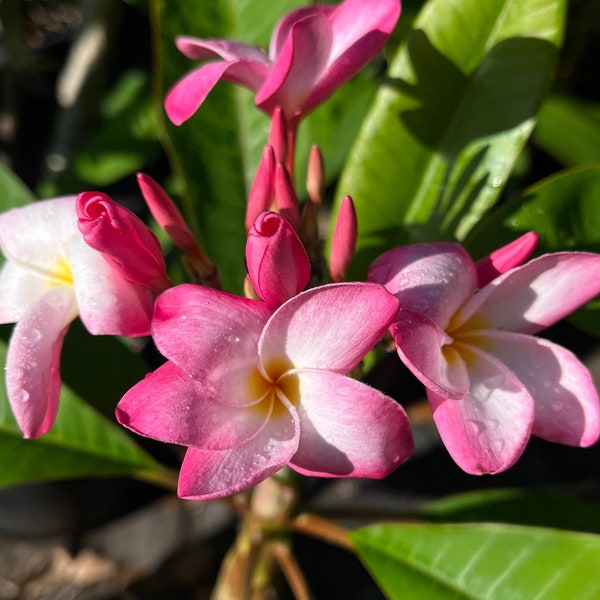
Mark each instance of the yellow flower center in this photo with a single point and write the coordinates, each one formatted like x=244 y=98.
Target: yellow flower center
x=272 y=386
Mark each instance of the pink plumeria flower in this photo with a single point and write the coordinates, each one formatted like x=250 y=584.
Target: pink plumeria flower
x=278 y=265
x=491 y=383
x=50 y=276
x=313 y=51
x=250 y=390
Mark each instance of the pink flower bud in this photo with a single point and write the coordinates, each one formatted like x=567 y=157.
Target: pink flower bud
x=278 y=136
x=122 y=238
x=344 y=241
x=285 y=196
x=278 y=265
x=506 y=258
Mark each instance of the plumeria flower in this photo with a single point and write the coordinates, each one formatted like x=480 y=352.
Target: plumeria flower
x=313 y=51
x=250 y=390
x=52 y=274
x=491 y=383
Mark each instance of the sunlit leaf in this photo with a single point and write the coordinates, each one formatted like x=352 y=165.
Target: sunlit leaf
x=483 y=561
x=459 y=103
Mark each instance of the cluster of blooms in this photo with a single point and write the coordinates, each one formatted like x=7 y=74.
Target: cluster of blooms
x=252 y=384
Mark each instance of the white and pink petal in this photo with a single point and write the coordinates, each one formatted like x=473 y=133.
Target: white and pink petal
x=347 y=429
x=431 y=279
x=566 y=404
x=331 y=327
x=487 y=430
x=427 y=351
x=32 y=361
x=534 y=296
x=171 y=407
x=207 y=475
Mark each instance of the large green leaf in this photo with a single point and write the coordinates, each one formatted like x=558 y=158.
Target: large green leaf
x=439 y=143
x=564 y=211
x=214 y=153
x=80 y=444
x=569 y=130
x=443 y=562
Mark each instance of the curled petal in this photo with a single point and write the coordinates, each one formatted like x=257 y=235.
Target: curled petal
x=297 y=67
x=567 y=409
x=108 y=303
x=212 y=336
x=506 y=258
x=344 y=240
x=123 y=239
x=360 y=30
x=330 y=327
x=431 y=279
x=171 y=407
x=285 y=24
x=277 y=261
x=228 y=50
x=32 y=361
x=534 y=296
x=347 y=429
x=186 y=96
x=426 y=350
x=206 y=475
x=487 y=430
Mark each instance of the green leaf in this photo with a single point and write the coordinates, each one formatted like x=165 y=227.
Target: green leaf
x=445 y=130
x=80 y=444
x=517 y=506
x=215 y=153
x=569 y=130
x=564 y=211
x=443 y=562
x=13 y=192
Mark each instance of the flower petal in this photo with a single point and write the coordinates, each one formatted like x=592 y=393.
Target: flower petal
x=228 y=50
x=186 y=96
x=487 y=430
x=425 y=349
x=298 y=66
x=431 y=279
x=347 y=429
x=207 y=475
x=535 y=295
x=212 y=336
x=19 y=289
x=285 y=24
x=361 y=29
x=108 y=304
x=32 y=361
x=171 y=407
x=567 y=409
x=330 y=327
x=34 y=236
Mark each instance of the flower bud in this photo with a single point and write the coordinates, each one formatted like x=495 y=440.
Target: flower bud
x=278 y=265
x=344 y=241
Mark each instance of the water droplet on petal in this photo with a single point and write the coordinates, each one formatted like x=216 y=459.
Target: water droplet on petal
x=557 y=406
x=21 y=396
x=31 y=334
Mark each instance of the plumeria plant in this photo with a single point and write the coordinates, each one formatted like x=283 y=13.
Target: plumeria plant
x=255 y=339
